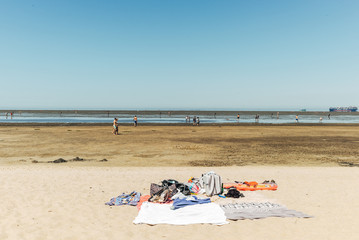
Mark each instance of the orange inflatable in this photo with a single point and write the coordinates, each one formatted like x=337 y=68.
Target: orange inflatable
x=251 y=186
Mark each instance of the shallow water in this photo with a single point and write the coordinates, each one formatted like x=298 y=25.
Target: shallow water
x=156 y=117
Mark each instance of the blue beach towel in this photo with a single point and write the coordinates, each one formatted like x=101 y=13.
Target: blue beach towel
x=180 y=203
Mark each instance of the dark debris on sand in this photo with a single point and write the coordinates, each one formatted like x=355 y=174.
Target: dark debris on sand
x=348 y=164
x=60 y=160
x=76 y=159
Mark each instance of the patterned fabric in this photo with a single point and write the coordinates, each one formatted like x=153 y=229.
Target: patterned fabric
x=259 y=210
x=162 y=193
x=125 y=199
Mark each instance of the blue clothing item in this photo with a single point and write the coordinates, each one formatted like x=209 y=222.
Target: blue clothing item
x=125 y=199
x=180 y=203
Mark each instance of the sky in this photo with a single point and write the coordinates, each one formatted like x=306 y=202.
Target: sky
x=179 y=54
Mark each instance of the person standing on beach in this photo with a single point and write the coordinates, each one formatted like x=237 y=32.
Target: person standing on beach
x=11 y=114
x=115 y=126
x=238 y=117
x=6 y=114
x=194 y=120
x=135 y=121
x=297 y=118
x=197 y=121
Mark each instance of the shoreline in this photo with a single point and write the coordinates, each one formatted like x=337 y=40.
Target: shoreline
x=34 y=124
x=164 y=112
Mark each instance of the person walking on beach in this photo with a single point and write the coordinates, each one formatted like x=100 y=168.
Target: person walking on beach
x=329 y=116
x=197 y=121
x=135 y=121
x=238 y=117
x=11 y=114
x=297 y=118
x=115 y=126
x=194 y=120
x=257 y=118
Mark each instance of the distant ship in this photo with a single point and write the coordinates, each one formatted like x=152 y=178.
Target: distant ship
x=343 y=109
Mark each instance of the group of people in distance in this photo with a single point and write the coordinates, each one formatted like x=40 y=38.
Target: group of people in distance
x=196 y=120
x=7 y=114
x=115 y=124
x=320 y=118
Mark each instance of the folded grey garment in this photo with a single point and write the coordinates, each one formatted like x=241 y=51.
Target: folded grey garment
x=247 y=210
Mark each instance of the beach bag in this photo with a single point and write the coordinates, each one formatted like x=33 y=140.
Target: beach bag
x=192 y=187
x=169 y=182
x=184 y=189
x=212 y=183
x=161 y=193
x=155 y=189
x=197 y=181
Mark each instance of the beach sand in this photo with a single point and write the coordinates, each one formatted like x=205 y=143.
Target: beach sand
x=66 y=200
x=317 y=145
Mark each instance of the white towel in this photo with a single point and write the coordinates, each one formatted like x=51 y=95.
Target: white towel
x=154 y=213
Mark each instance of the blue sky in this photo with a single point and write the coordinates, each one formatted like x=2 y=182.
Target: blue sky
x=231 y=54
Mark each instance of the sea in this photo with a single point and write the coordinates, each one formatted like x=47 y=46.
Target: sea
x=175 y=117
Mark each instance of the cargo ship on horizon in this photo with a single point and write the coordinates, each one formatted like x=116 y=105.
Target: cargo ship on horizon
x=343 y=109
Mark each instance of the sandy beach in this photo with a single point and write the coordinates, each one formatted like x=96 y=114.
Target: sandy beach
x=208 y=98
x=206 y=145
x=42 y=200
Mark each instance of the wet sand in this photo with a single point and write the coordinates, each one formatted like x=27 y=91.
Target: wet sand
x=320 y=145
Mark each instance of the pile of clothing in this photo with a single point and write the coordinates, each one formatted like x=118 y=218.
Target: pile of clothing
x=172 y=202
